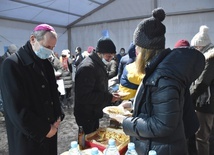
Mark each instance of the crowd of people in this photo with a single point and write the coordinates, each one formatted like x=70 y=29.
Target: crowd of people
x=171 y=91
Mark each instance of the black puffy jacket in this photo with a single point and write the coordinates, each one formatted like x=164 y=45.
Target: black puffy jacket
x=157 y=121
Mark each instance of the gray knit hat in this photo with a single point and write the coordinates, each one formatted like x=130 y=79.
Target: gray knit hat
x=150 y=32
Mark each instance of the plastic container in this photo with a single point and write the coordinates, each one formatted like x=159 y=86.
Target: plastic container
x=131 y=149
x=111 y=148
x=152 y=152
x=74 y=150
x=94 y=151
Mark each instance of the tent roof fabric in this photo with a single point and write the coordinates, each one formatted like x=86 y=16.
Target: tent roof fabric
x=54 y=12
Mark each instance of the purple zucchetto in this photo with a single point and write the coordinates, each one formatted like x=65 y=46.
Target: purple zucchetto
x=44 y=27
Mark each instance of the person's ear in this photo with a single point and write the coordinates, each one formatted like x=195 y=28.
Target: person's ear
x=32 y=39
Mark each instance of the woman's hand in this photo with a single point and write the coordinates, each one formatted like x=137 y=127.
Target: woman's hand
x=117 y=117
x=126 y=104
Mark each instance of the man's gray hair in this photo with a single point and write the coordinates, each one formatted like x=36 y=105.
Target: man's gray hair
x=40 y=34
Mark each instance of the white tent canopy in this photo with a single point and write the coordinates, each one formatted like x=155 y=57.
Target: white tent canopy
x=82 y=22
x=55 y=12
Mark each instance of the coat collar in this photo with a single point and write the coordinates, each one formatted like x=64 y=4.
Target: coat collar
x=29 y=58
x=151 y=66
x=94 y=56
x=25 y=54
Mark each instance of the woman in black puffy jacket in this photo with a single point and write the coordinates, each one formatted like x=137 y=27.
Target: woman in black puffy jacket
x=157 y=121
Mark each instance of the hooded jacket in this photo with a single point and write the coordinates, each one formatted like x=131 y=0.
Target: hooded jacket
x=130 y=80
x=202 y=90
x=157 y=121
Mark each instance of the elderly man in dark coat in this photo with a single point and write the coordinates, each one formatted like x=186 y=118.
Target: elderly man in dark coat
x=30 y=95
x=91 y=86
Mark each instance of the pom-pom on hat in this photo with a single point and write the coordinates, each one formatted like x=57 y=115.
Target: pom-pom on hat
x=150 y=32
x=44 y=27
x=105 y=45
x=182 y=43
x=201 y=38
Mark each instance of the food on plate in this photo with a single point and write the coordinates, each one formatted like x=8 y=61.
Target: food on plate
x=116 y=110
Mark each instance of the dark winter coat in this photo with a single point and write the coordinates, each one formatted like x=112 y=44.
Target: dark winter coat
x=202 y=90
x=157 y=121
x=78 y=60
x=112 y=68
x=6 y=54
x=31 y=103
x=91 y=89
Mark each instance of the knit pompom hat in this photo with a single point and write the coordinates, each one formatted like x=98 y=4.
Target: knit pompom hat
x=150 y=32
x=201 y=38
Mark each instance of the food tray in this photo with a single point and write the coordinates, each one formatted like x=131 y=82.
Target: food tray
x=100 y=139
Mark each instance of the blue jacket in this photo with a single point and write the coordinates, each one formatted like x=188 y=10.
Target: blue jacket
x=157 y=121
x=130 y=80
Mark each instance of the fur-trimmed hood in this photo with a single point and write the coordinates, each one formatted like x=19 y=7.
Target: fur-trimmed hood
x=208 y=51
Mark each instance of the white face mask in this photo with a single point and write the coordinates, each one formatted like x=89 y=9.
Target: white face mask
x=104 y=61
x=43 y=52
